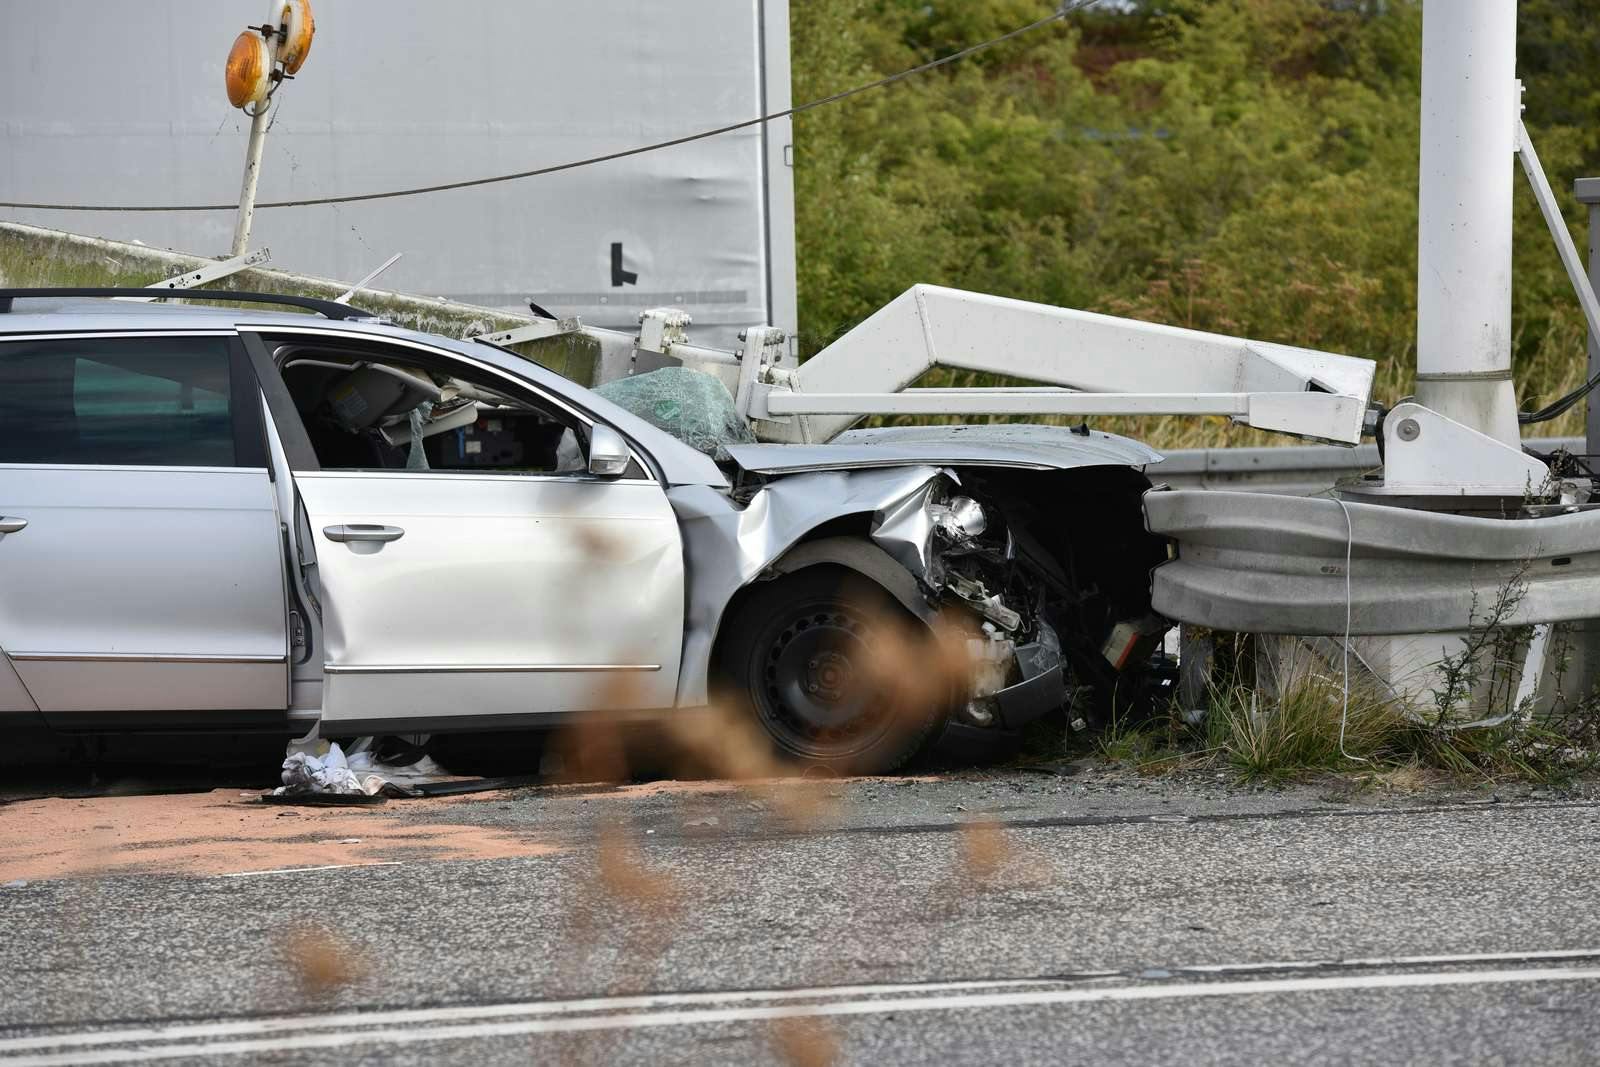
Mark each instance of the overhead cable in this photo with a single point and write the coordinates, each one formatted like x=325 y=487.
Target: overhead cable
x=1062 y=12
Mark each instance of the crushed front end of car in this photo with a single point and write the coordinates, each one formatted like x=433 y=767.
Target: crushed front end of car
x=1028 y=542
x=1047 y=570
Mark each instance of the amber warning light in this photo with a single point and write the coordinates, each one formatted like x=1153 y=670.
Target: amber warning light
x=263 y=55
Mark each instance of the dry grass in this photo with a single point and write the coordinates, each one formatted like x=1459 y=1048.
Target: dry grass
x=1307 y=729
x=1389 y=747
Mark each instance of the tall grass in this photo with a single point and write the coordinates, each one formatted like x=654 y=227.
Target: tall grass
x=1309 y=728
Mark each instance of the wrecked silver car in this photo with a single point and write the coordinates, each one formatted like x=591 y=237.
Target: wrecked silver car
x=226 y=519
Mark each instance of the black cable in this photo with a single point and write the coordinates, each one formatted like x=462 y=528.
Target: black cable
x=1559 y=407
x=1060 y=13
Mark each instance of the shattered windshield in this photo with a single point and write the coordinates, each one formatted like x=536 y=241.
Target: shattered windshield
x=695 y=408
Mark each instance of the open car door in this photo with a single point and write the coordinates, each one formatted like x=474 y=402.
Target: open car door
x=471 y=570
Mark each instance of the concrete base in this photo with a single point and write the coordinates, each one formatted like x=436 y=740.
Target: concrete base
x=1407 y=670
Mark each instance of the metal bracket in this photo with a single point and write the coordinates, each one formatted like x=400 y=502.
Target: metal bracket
x=1426 y=453
x=661 y=328
x=763 y=348
x=536 y=330
x=204 y=275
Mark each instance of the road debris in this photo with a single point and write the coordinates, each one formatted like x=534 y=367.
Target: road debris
x=322 y=767
x=320 y=800
x=323 y=774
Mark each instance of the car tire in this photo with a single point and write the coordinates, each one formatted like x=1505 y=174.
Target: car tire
x=798 y=655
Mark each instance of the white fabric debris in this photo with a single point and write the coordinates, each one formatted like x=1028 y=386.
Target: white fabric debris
x=426 y=769
x=324 y=767
x=330 y=773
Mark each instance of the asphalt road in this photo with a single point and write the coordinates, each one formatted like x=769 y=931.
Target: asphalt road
x=980 y=918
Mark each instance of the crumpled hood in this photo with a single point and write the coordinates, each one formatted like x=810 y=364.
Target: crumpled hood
x=987 y=445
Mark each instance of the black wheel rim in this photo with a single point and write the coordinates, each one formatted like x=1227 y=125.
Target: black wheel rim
x=815 y=691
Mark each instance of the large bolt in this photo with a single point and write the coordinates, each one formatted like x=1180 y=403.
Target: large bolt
x=1409 y=430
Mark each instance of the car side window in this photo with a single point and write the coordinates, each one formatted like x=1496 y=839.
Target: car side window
x=382 y=409
x=148 y=401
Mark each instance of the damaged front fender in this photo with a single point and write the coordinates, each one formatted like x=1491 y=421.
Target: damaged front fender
x=727 y=546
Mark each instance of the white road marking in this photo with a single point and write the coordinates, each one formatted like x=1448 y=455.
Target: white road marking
x=952 y=1001
x=1391 y=961
x=303 y=870
x=345 y=1020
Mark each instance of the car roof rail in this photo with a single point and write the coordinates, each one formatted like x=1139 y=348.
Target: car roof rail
x=329 y=309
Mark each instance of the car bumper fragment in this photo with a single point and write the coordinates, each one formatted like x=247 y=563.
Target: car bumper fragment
x=1020 y=704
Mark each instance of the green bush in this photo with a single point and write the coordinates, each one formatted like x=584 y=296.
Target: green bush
x=1245 y=166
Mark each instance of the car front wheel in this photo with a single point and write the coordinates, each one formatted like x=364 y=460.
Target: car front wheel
x=835 y=672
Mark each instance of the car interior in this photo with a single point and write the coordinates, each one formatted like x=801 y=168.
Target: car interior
x=367 y=413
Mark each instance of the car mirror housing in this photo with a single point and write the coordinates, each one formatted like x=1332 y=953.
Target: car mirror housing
x=608 y=453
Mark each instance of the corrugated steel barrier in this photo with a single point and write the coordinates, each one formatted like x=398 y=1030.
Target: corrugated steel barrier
x=1299 y=470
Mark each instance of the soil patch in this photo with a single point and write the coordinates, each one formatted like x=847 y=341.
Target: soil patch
x=223 y=832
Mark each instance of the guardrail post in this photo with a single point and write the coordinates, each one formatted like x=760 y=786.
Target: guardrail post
x=1588 y=192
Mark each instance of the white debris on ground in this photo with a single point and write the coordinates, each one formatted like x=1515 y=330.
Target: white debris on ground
x=323 y=767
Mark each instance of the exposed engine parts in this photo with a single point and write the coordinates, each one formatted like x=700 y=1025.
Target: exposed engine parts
x=1048 y=614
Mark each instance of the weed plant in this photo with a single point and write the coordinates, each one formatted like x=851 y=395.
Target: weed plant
x=1475 y=722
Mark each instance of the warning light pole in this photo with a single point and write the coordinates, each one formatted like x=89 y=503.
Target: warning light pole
x=261 y=58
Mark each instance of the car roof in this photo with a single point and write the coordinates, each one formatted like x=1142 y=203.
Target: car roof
x=681 y=464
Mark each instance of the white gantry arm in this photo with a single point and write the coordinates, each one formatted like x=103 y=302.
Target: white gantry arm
x=1093 y=365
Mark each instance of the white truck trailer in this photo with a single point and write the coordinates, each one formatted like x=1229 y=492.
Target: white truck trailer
x=408 y=93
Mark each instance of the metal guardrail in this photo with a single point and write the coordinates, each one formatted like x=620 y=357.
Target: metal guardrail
x=1297 y=470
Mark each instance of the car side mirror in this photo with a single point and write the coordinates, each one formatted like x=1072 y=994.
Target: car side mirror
x=608 y=452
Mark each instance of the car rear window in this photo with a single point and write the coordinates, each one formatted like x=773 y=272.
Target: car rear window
x=117 y=401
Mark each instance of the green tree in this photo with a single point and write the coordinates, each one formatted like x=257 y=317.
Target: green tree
x=1247 y=166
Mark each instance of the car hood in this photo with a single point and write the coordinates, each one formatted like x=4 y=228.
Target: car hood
x=989 y=445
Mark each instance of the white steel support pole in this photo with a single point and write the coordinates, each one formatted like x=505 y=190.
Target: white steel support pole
x=252 y=172
x=1471 y=111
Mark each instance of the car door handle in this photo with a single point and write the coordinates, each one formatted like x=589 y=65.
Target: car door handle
x=11 y=524
x=362 y=531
